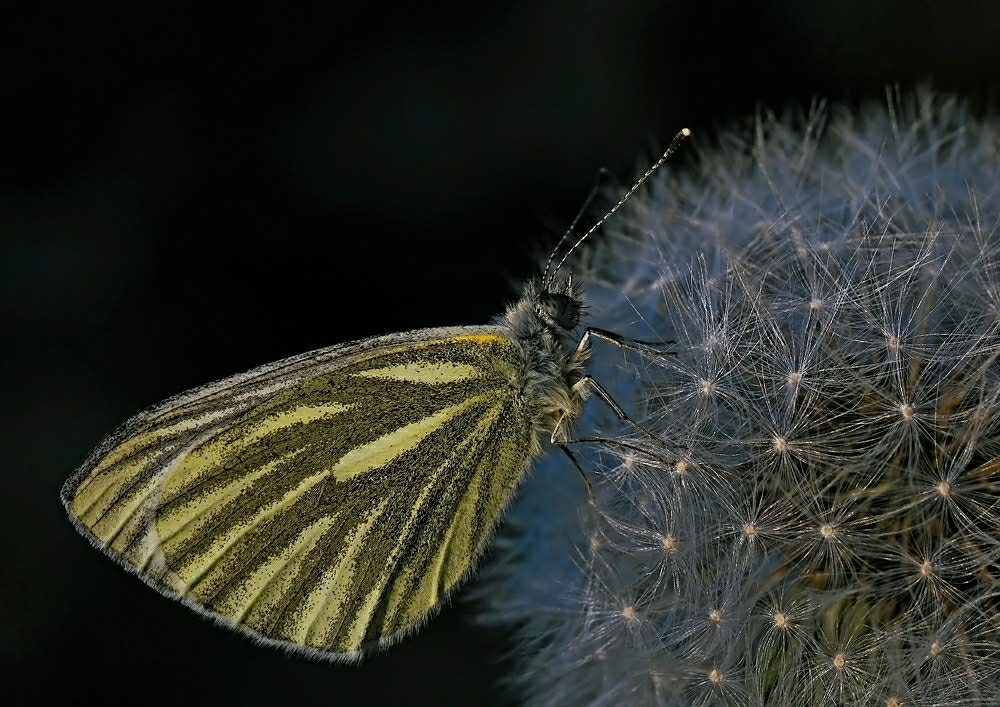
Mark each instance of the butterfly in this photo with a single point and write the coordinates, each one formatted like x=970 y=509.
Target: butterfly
x=331 y=502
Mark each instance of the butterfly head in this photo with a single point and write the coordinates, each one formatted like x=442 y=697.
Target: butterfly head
x=558 y=310
x=551 y=310
x=557 y=304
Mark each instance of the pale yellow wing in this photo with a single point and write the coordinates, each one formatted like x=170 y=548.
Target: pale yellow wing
x=327 y=502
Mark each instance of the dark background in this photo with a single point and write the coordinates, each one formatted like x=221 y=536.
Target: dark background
x=185 y=195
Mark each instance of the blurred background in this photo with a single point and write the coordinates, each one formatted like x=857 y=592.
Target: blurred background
x=187 y=194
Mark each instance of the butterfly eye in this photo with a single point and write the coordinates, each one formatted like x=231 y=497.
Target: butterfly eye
x=558 y=310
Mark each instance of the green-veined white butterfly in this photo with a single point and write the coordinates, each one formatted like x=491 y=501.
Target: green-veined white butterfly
x=330 y=502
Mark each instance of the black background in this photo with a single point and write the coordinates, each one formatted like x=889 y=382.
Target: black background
x=185 y=195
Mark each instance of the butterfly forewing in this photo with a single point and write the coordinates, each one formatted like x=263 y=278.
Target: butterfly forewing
x=325 y=502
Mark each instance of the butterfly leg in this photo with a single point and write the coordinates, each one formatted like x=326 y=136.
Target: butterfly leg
x=647 y=348
x=588 y=382
x=583 y=474
x=586 y=480
x=560 y=439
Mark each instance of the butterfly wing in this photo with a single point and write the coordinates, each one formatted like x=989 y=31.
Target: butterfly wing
x=326 y=502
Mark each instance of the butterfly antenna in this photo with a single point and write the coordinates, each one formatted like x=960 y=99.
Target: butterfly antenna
x=674 y=144
x=566 y=234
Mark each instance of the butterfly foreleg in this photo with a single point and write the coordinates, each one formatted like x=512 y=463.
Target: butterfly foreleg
x=647 y=348
x=587 y=385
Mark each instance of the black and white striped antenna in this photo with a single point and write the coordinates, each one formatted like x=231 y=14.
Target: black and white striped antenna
x=546 y=277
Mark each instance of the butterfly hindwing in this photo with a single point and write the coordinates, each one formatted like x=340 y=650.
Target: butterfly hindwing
x=326 y=502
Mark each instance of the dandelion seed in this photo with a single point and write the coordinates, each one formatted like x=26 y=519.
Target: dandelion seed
x=827 y=531
x=839 y=661
x=780 y=444
x=715 y=675
x=906 y=411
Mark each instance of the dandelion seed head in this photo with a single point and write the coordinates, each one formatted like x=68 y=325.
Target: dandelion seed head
x=813 y=517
